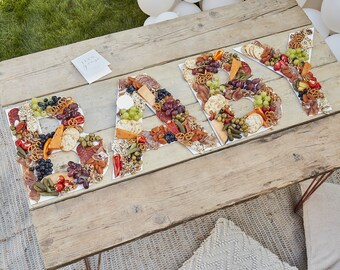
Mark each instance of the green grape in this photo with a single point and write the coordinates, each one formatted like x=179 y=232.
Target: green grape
x=122 y=111
x=303 y=53
x=209 y=83
x=133 y=108
x=296 y=62
x=35 y=100
x=34 y=106
x=291 y=56
x=306 y=58
x=293 y=51
x=298 y=50
x=39 y=109
x=256 y=97
x=136 y=118
x=43 y=113
x=258 y=102
x=36 y=114
x=266 y=103
x=125 y=115
x=267 y=98
x=263 y=94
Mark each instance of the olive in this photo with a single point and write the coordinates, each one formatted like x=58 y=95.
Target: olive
x=12 y=127
x=138 y=158
x=81 y=139
x=98 y=138
x=14 y=132
x=137 y=153
x=87 y=138
x=19 y=136
x=83 y=144
x=92 y=139
x=134 y=157
x=89 y=143
x=92 y=135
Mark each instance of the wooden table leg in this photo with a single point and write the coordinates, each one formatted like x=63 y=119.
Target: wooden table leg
x=87 y=264
x=99 y=260
x=316 y=183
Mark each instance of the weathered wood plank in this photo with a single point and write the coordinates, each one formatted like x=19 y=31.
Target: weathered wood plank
x=108 y=217
x=51 y=71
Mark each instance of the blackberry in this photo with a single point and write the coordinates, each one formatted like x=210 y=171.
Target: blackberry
x=130 y=89
x=44 y=168
x=170 y=137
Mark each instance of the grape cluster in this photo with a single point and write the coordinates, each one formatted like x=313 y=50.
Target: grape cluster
x=215 y=87
x=253 y=85
x=130 y=89
x=262 y=100
x=71 y=111
x=170 y=137
x=44 y=168
x=297 y=56
x=173 y=107
x=79 y=173
x=131 y=114
x=162 y=93
x=209 y=65
x=44 y=138
x=39 y=105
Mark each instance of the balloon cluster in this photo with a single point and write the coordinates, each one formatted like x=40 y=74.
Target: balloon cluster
x=163 y=10
x=324 y=14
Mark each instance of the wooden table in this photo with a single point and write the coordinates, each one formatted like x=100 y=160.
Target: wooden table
x=176 y=186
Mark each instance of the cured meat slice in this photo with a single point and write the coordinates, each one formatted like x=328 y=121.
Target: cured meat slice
x=29 y=178
x=163 y=117
x=13 y=115
x=85 y=153
x=147 y=80
x=150 y=142
x=245 y=67
x=228 y=94
x=238 y=94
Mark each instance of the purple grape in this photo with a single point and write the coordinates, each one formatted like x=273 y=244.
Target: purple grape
x=73 y=106
x=76 y=175
x=86 y=173
x=238 y=84
x=86 y=184
x=255 y=81
x=259 y=86
x=215 y=70
x=250 y=86
x=70 y=174
x=78 y=167
x=174 y=113
x=73 y=114
x=70 y=163
x=60 y=116
x=248 y=82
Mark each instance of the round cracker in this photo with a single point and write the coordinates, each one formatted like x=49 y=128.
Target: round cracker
x=68 y=142
x=72 y=132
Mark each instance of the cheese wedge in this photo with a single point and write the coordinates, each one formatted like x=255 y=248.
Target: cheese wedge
x=56 y=140
x=145 y=93
x=235 y=66
x=218 y=126
x=306 y=68
x=124 y=134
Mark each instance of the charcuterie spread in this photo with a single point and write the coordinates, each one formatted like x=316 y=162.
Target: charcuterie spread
x=132 y=140
x=295 y=65
x=220 y=78
x=37 y=150
x=220 y=81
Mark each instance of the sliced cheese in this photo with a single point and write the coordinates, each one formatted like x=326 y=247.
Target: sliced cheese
x=145 y=93
x=306 y=68
x=124 y=134
x=56 y=140
x=218 y=126
x=235 y=66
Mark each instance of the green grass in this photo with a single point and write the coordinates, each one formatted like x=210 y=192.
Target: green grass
x=28 y=26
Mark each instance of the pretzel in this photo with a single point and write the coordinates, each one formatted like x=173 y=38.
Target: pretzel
x=157 y=107
x=142 y=146
x=203 y=78
x=316 y=93
x=72 y=122
x=269 y=122
x=188 y=136
x=180 y=136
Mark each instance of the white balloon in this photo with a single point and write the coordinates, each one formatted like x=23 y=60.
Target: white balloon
x=155 y=7
x=330 y=14
x=315 y=17
x=175 y=4
x=192 y=1
x=165 y=16
x=150 y=20
x=210 y=4
x=316 y=4
x=184 y=8
x=301 y=2
x=334 y=44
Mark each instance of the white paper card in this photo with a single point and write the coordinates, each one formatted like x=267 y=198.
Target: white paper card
x=92 y=66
